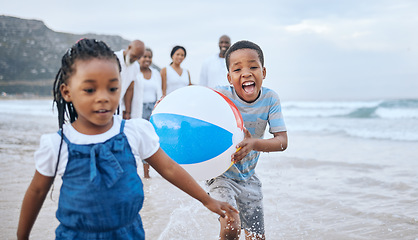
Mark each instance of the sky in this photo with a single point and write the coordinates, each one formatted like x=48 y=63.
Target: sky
x=314 y=49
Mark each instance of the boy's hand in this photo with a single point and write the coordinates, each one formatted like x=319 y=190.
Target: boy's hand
x=244 y=147
x=222 y=208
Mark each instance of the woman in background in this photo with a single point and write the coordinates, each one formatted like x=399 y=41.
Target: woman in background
x=173 y=76
x=152 y=90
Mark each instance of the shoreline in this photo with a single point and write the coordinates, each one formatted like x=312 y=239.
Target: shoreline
x=24 y=97
x=323 y=180
x=324 y=186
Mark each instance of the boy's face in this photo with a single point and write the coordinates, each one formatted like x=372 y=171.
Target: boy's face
x=246 y=73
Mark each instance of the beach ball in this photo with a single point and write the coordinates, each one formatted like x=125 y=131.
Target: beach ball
x=198 y=128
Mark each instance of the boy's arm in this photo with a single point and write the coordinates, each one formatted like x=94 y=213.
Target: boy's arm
x=176 y=175
x=277 y=143
x=32 y=203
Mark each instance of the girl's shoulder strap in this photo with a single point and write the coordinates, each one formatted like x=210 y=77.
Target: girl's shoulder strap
x=122 y=125
x=61 y=133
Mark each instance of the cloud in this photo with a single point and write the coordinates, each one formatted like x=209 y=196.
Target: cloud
x=381 y=34
x=316 y=46
x=308 y=26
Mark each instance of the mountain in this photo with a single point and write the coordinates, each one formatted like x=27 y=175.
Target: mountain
x=30 y=54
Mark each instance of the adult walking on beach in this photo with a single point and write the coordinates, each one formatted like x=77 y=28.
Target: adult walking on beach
x=151 y=79
x=130 y=105
x=213 y=72
x=174 y=76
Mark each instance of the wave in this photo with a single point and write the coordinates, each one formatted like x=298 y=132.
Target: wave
x=27 y=107
x=386 y=119
x=369 y=128
x=392 y=109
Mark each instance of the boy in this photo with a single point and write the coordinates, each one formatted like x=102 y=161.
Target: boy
x=240 y=186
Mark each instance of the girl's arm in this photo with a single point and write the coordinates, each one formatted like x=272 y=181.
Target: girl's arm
x=32 y=203
x=277 y=143
x=176 y=175
x=164 y=81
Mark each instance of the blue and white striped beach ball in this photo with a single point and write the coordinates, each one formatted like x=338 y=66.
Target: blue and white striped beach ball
x=198 y=128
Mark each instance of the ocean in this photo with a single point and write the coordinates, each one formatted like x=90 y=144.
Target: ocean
x=385 y=119
x=350 y=172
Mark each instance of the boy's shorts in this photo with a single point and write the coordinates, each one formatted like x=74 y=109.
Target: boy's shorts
x=245 y=196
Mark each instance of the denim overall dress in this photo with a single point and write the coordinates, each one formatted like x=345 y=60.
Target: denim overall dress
x=101 y=192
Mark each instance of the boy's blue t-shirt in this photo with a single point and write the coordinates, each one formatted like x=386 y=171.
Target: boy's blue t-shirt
x=256 y=115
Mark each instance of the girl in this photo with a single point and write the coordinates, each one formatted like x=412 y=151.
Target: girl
x=173 y=76
x=101 y=192
x=152 y=90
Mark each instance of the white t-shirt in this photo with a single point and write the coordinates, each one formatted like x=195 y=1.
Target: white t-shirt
x=128 y=74
x=152 y=86
x=174 y=80
x=140 y=133
x=214 y=72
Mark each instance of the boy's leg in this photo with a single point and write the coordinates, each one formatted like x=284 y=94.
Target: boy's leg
x=254 y=236
x=250 y=203
x=230 y=229
x=223 y=189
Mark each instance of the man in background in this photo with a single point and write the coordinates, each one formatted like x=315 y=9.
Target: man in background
x=213 y=72
x=130 y=104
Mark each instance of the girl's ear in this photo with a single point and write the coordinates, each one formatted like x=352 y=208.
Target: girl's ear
x=65 y=92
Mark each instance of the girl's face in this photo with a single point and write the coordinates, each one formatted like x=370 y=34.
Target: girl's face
x=146 y=60
x=94 y=90
x=246 y=74
x=178 y=56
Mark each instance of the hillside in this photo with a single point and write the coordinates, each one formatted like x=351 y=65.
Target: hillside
x=30 y=54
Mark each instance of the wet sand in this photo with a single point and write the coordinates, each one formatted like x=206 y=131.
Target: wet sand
x=323 y=187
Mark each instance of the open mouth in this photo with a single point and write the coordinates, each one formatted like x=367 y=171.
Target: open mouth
x=102 y=111
x=248 y=87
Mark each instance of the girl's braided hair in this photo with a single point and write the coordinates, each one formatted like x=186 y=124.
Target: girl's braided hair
x=84 y=49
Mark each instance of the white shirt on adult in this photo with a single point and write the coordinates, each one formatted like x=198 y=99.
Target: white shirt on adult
x=130 y=74
x=214 y=72
x=176 y=81
x=152 y=86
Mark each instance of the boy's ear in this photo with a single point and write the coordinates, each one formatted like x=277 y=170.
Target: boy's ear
x=229 y=78
x=264 y=73
x=65 y=92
